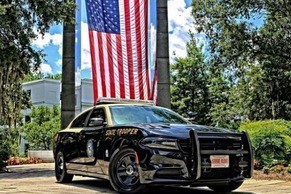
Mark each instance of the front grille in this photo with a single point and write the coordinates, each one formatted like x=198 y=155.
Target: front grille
x=173 y=173
x=212 y=143
x=220 y=143
x=185 y=145
x=220 y=173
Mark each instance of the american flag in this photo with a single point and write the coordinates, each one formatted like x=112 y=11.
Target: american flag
x=118 y=44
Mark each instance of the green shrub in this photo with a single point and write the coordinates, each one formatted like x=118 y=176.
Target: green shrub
x=4 y=155
x=45 y=123
x=271 y=141
x=257 y=126
x=8 y=144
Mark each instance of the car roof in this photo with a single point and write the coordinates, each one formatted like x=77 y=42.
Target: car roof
x=124 y=104
x=105 y=100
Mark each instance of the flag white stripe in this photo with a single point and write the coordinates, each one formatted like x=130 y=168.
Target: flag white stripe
x=106 y=64
x=96 y=50
x=115 y=66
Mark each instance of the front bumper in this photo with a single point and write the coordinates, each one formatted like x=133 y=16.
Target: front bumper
x=192 y=165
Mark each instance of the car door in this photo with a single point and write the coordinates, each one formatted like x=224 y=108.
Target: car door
x=90 y=140
x=74 y=132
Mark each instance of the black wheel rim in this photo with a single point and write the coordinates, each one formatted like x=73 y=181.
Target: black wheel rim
x=127 y=171
x=60 y=165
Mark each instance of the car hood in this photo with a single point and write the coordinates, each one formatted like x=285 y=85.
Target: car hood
x=180 y=130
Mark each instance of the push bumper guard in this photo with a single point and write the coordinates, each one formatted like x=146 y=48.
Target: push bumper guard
x=196 y=169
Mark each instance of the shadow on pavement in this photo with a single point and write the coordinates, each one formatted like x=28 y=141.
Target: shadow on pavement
x=27 y=173
x=100 y=185
x=104 y=186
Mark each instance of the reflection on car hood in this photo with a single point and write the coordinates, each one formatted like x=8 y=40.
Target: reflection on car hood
x=180 y=130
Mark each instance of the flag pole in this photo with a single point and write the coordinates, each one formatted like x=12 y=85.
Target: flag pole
x=164 y=96
x=68 y=74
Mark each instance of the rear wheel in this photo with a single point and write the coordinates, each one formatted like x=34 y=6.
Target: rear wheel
x=123 y=172
x=60 y=169
x=226 y=188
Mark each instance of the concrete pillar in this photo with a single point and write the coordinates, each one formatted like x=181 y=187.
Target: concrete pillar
x=68 y=76
x=163 y=67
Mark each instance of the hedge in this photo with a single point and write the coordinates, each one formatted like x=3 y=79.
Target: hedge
x=271 y=141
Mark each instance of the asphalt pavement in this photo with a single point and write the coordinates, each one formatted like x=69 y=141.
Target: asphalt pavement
x=39 y=178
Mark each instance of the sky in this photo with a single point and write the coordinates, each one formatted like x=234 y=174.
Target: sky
x=180 y=22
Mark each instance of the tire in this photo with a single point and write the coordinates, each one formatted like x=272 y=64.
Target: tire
x=123 y=172
x=226 y=188
x=60 y=169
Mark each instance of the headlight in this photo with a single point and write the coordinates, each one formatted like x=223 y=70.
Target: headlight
x=160 y=143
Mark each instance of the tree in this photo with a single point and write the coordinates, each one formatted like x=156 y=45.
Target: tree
x=239 y=47
x=45 y=123
x=20 y=22
x=39 y=75
x=189 y=84
x=220 y=112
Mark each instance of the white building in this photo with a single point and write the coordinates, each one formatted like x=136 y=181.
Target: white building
x=47 y=92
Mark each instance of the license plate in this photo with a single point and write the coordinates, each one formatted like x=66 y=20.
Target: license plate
x=219 y=161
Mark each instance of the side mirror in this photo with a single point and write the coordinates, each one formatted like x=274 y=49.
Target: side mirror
x=96 y=122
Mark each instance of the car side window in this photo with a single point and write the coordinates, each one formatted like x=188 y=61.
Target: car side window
x=80 y=120
x=98 y=113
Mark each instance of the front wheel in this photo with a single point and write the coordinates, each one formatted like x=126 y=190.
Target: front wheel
x=60 y=169
x=226 y=188
x=123 y=172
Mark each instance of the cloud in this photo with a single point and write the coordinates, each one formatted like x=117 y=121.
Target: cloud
x=180 y=23
x=48 y=40
x=46 y=68
x=59 y=62
x=153 y=43
x=85 y=47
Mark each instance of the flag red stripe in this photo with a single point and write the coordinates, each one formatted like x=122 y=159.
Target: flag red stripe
x=93 y=58
x=110 y=64
x=101 y=63
x=129 y=48
x=139 y=48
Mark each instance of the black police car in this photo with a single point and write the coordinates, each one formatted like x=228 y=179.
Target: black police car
x=136 y=144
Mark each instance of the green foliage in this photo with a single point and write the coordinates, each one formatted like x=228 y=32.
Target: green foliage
x=45 y=123
x=2 y=9
x=255 y=59
x=270 y=140
x=4 y=154
x=256 y=127
x=20 y=22
x=269 y=147
x=189 y=84
x=8 y=144
x=39 y=75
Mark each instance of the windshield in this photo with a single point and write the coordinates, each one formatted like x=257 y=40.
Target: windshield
x=124 y=114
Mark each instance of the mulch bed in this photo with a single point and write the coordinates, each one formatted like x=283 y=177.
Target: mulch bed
x=19 y=161
x=259 y=174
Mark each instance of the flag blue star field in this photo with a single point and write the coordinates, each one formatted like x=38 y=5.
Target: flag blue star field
x=118 y=33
